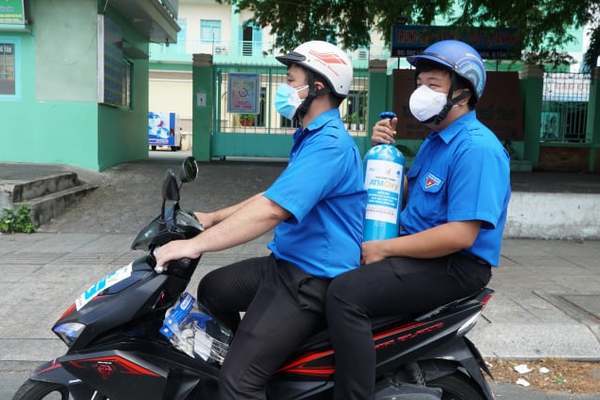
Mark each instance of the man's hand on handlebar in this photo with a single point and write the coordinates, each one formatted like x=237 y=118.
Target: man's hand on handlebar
x=175 y=250
x=206 y=219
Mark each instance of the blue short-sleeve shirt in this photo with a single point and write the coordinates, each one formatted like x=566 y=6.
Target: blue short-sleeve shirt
x=461 y=173
x=323 y=188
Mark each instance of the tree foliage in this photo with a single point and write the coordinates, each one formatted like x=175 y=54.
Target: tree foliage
x=543 y=24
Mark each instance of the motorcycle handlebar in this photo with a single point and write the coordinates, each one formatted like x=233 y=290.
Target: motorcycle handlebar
x=163 y=268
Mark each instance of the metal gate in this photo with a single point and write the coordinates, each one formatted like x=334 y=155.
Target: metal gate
x=565 y=107
x=267 y=134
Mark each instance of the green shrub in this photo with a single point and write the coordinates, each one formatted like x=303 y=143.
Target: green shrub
x=16 y=221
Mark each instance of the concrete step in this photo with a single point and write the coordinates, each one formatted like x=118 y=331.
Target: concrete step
x=44 y=208
x=17 y=191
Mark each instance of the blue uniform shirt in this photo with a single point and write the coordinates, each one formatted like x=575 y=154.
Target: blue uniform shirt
x=323 y=188
x=460 y=174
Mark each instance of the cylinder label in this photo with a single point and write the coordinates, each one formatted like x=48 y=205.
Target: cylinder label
x=383 y=182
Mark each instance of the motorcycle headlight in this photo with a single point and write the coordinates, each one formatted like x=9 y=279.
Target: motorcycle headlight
x=68 y=332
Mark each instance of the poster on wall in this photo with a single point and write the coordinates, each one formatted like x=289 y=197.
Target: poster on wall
x=550 y=125
x=243 y=93
x=161 y=129
x=12 y=12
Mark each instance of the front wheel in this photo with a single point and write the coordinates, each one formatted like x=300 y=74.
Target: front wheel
x=36 y=390
x=457 y=387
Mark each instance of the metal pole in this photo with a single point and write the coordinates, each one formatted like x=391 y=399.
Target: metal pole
x=268 y=105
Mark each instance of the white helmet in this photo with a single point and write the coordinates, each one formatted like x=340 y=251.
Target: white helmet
x=325 y=59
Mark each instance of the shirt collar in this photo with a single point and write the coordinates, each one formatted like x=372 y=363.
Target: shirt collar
x=455 y=127
x=323 y=118
x=317 y=123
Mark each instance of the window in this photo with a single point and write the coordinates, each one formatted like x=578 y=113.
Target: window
x=116 y=74
x=251 y=39
x=7 y=69
x=210 y=30
x=181 y=34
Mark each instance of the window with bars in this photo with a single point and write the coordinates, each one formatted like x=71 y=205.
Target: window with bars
x=210 y=30
x=7 y=69
x=564 y=108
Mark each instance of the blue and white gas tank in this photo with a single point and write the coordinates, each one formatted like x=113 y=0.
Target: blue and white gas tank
x=384 y=179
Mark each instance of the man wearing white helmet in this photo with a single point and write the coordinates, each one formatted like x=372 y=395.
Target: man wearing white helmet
x=317 y=208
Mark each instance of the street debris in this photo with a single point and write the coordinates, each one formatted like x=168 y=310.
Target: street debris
x=549 y=375
x=522 y=382
x=523 y=369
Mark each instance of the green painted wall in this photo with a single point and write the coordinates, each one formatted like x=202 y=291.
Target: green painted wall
x=56 y=117
x=45 y=124
x=122 y=133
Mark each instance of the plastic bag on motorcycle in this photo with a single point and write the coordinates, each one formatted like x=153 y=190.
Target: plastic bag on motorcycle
x=194 y=332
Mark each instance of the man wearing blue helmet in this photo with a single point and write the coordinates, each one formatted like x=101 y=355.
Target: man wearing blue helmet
x=452 y=224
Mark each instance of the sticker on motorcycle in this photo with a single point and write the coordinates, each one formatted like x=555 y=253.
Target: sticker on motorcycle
x=110 y=280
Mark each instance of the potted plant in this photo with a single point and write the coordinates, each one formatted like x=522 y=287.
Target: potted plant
x=247 y=119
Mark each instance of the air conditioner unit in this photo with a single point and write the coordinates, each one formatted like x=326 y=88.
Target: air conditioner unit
x=363 y=54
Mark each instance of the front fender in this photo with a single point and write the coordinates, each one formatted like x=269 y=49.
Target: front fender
x=53 y=372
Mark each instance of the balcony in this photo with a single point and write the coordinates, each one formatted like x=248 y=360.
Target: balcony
x=153 y=18
x=245 y=52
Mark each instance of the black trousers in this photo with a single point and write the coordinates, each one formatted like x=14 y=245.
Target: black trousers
x=389 y=287
x=284 y=306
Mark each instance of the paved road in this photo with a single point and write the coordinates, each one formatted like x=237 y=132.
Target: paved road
x=12 y=376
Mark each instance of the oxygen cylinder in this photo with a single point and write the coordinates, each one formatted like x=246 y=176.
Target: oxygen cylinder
x=384 y=181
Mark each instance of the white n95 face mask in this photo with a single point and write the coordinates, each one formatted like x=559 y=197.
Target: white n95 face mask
x=425 y=103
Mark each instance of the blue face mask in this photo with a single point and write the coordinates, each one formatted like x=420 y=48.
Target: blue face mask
x=287 y=100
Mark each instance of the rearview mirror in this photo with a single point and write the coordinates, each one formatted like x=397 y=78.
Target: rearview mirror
x=170 y=189
x=189 y=170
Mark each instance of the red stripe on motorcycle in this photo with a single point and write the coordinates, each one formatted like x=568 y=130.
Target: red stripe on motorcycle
x=128 y=366
x=325 y=371
x=305 y=359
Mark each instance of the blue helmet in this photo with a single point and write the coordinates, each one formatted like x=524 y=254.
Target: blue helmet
x=461 y=58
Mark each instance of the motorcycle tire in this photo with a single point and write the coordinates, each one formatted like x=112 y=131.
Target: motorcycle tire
x=36 y=390
x=457 y=387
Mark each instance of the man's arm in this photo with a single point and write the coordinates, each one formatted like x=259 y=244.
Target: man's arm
x=259 y=215
x=435 y=242
x=213 y=218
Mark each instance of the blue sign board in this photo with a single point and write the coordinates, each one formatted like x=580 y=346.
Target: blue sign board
x=491 y=43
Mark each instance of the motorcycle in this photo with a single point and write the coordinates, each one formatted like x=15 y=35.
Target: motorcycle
x=115 y=350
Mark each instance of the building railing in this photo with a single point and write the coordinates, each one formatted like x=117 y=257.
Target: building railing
x=245 y=49
x=565 y=107
x=353 y=110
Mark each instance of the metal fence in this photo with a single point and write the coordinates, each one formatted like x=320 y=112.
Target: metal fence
x=565 y=107
x=353 y=109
